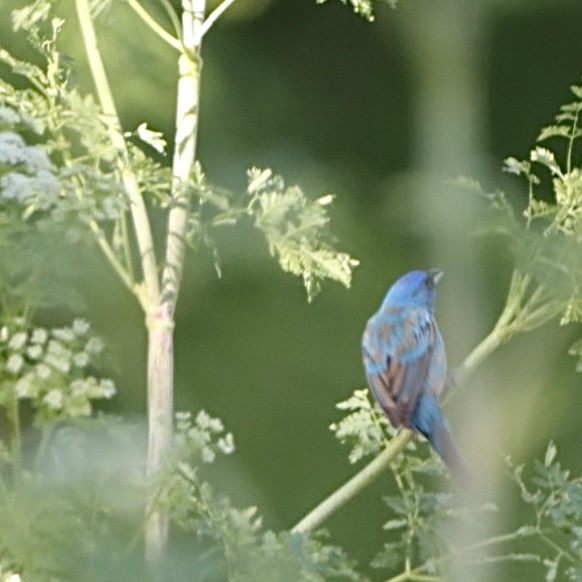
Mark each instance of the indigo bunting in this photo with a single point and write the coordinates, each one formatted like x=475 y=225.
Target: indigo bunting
x=406 y=363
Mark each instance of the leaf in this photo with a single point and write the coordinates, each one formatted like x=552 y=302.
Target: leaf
x=31 y=15
x=296 y=231
x=545 y=157
x=554 y=131
x=155 y=139
x=394 y=524
x=512 y=165
x=551 y=453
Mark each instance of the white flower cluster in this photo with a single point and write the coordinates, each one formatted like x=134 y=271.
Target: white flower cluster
x=30 y=174
x=50 y=367
x=204 y=437
x=29 y=179
x=9 y=118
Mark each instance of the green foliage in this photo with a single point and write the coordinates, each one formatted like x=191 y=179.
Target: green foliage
x=228 y=543
x=64 y=174
x=554 y=499
x=295 y=228
x=79 y=187
x=364 y=427
x=546 y=241
x=553 y=219
x=76 y=518
x=74 y=507
x=423 y=520
x=418 y=529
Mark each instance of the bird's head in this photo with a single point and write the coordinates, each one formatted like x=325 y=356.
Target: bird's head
x=417 y=289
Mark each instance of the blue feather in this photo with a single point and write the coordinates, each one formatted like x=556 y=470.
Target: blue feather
x=406 y=364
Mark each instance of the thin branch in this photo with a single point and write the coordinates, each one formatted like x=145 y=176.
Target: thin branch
x=124 y=272
x=172 y=16
x=153 y=24
x=355 y=485
x=137 y=206
x=126 y=246
x=215 y=15
x=411 y=576
x=106 y=249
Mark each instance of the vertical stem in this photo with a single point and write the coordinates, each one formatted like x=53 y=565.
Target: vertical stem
x=13 y=418
x=184 y=148
x=161 y=318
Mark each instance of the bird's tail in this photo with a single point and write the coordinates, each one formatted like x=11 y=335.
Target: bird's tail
x=443 y=443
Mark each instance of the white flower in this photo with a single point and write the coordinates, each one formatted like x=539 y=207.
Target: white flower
x=208 y=455
x=81 y=359
x=94 y=346
x=39 y=336
x=206 y=422
x=9 y=116
x=58 y=356
x=18 y=340
x=61 y=364
x=56 y=348
x=43 y=371
x=107 y=387
x=80 y=327
x=4 y=334
x=15 y=363
x=226 y=444
x=44 y=186
x=65 y=334
x=79 y=387
x=12 y=148
x=54 y=399
x=25 y=387
x=34 y=352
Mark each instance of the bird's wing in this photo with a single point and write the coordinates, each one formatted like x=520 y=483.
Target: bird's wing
x=398 y=348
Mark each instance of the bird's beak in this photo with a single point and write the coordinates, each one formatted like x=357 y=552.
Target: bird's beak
x=435 y=275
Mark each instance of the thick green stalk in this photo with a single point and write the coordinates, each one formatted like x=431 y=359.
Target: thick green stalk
x=161 y=319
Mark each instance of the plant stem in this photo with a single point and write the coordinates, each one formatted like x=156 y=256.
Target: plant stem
x=136 y=203
x=13 y=421
x=500 y=333
x=215 y=15
x=152 y=23
x=410 y=576
x=161 y=318
x=47 y=431
x=355 y=485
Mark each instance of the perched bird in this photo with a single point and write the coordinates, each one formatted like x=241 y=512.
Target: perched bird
x=406 y=363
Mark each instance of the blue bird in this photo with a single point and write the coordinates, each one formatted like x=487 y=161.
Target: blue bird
x=406 y=363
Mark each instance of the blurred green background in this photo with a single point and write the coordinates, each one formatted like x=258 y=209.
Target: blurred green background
x=384 y=115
